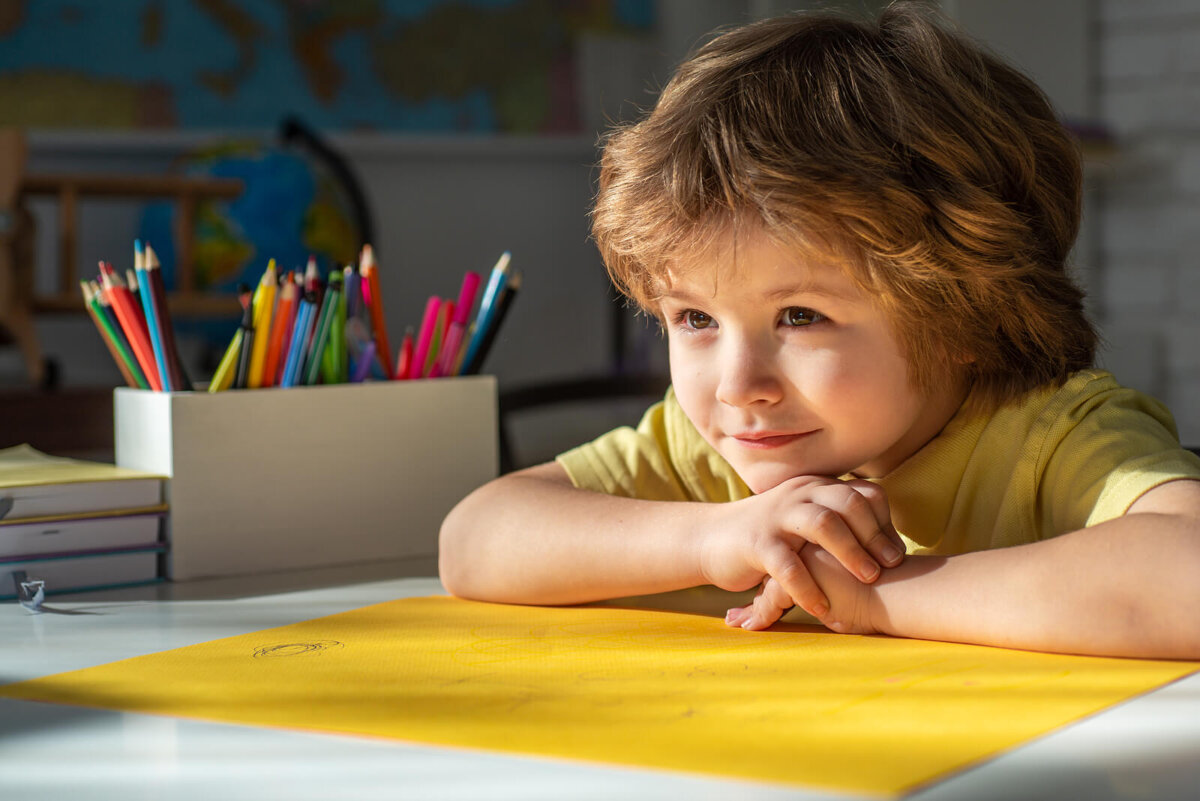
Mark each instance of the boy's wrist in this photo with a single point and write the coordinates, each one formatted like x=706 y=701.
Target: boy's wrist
x=902 y=592
x=877 y=616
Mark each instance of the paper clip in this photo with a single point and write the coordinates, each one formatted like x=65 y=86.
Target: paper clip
x=31 y=592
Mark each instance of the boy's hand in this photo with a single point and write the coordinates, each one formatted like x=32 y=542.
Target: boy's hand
x=762 y=536
x=850 y=610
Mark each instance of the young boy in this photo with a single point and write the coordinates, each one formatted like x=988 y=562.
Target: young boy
x=855 y=237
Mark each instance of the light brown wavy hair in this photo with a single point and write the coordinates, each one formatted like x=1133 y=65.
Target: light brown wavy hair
x=938 y=176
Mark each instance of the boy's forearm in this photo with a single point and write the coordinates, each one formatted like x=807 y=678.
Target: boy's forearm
x=1106 y=590
x=525 y=539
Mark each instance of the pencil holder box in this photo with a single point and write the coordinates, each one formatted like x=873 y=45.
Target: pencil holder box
x=280 y=479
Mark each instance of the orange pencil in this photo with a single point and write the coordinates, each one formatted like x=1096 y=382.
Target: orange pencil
x=281 y=321
x=383 y=348
x=132 y=323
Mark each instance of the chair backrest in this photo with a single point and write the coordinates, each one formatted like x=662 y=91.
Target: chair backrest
x=13 y=154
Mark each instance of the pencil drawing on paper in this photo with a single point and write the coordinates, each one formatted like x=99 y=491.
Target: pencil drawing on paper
x=298 y=648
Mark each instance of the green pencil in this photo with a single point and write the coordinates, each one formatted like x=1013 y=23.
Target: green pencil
x=321 y=334
x=115 y=339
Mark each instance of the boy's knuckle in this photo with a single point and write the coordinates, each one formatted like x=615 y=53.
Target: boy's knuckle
x=857 y=505
x=796 y=583
x=824 y=521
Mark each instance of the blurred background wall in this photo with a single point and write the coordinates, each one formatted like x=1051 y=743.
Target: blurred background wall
x=472 y=125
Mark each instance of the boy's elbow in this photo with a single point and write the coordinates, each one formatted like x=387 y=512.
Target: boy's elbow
x=479 y=537
x=452 y=550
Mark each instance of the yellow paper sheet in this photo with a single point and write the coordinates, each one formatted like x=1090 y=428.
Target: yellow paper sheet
x=794 y=705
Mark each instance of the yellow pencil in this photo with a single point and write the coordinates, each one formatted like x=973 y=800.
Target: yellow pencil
x=264 y=307
x=223 y=378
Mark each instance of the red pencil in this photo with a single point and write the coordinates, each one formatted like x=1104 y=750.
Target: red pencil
x=404 y=363
x=132 y=323
x=296 y=279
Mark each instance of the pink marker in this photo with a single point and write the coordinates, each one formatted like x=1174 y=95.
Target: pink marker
x=425 y=338
x=453 y=336
x=466 y=297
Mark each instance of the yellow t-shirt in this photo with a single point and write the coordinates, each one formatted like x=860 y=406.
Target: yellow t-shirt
x=1061 y=459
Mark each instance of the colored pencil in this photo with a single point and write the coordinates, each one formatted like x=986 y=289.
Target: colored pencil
x=299 y=342
x=468 y=335
x=275 y=343
x=264 y=309
x=312 y=280
x=440 y=331
x=131 y=323
x=363 y=366
x=116 y=346
x=462 y=315
x=370 y=273
x=502 y=305
x=296 y=279
x=135 y=287
x=320 y=340
x=146 y=298
x=179 y=376
x=487 y=309
x=338 y=366
x=405 y=361
x=357 y=336
x=247 y=353
x=353 y=290
x=425 y=338
x=105 y=310
x=223 y=378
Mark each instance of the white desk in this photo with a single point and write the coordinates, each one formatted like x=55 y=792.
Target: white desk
x=1145 y=749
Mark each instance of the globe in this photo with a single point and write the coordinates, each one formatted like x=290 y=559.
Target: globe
x=290 y=209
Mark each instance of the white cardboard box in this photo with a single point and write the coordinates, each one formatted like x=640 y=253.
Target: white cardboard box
x=280 y=479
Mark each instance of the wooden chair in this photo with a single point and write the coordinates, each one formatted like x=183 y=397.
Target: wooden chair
x=17 y=259
x=19 y=299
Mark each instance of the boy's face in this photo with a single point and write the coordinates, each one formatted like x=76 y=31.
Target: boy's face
x=787 y=368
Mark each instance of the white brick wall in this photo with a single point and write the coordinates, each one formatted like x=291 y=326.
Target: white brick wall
x=1148 y=285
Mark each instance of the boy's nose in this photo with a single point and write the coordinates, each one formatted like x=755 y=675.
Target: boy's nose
x=748 y=376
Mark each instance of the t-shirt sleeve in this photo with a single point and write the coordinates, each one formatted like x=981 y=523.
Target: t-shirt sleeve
x=1104 y=453
x=664 y=459
x=630 y=462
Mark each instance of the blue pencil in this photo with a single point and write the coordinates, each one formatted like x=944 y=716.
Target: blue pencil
x=291 y=367
x=487 y=308
x=145 y=293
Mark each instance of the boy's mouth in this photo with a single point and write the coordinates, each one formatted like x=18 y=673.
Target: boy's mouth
x=768 y=439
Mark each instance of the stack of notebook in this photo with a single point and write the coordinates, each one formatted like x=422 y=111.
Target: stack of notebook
x=76 y=525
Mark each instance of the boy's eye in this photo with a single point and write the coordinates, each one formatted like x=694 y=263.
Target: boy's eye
x=799 y=316
x=696 y=319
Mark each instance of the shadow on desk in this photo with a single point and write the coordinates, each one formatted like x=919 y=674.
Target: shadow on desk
x=227 y=588
x=52 y=718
